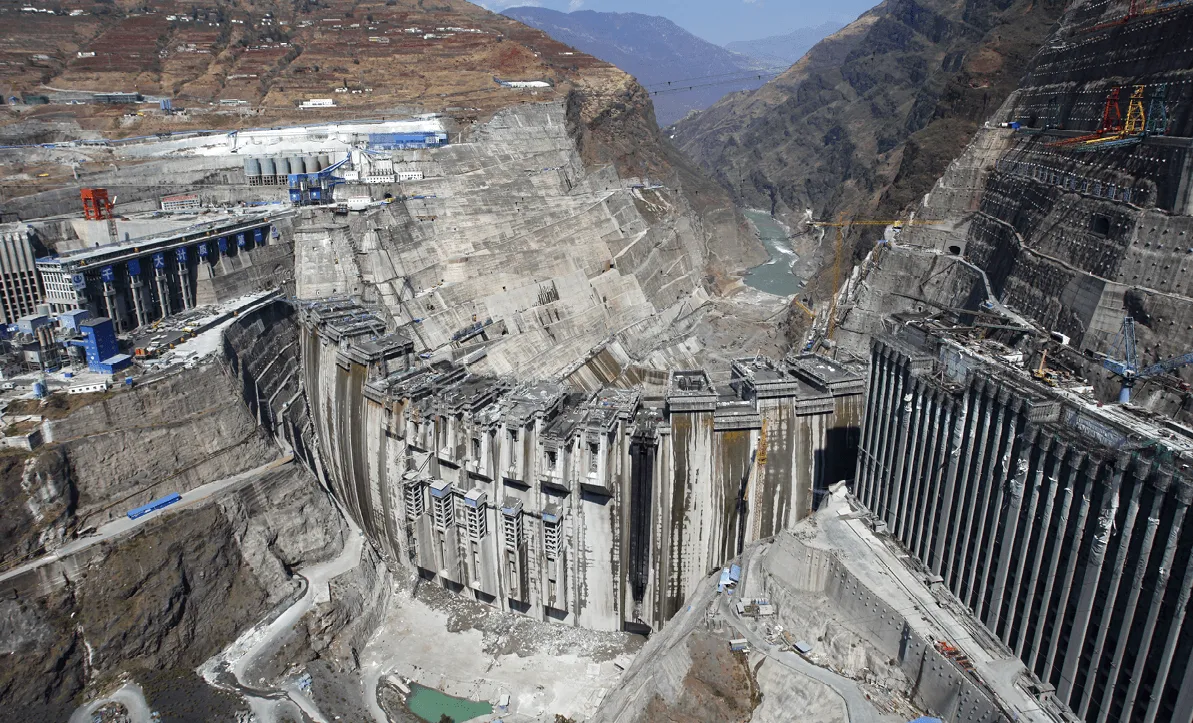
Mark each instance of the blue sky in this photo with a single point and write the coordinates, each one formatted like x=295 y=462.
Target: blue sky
x=720 y=21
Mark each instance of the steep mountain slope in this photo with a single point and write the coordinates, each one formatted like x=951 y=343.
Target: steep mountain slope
x=871 y=116
x=262 y=61
x=652 y=49
x=786 y=49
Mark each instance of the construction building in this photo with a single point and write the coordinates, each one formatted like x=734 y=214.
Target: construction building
x=1057 y=520
x=601 y=509
x=20 y=287
x=100 y=346
x=139 y=280
x=406 y=141
x=181 y=202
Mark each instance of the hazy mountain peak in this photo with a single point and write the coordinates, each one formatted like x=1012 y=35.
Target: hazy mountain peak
x=785 y=49
x=656 y=51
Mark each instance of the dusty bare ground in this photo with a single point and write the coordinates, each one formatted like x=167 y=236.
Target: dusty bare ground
x=720 y=686
x=512 y=634
x=472 y=651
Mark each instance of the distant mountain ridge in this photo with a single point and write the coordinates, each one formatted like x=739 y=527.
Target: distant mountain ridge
x=655 y=51
x=871 y=116
x=787 y=49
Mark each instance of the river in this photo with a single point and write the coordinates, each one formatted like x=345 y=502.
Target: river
x=774 y=276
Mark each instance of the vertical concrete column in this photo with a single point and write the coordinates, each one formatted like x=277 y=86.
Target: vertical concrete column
x=961 y=416
x=980 y=481
x=889 y=442
x=138 y=287
x=919 y=504
x=110 y=305
x=1160 y=482
x=163 y=290
x=1184 y=495
x=1183 y=710
x=1067 y=492
x=930 y=472
x=1015 y=488
x=1095 y=668
x=878 y=476
x=909 y=417
x=916 y=407
x=996 y=485
x=864 y=464
x=184 y=280
x=1035 y=552
x=1094 y=562
x=979 y=412
x=878 y=410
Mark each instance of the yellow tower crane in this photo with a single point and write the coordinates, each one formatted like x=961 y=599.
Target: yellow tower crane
x=841 y=224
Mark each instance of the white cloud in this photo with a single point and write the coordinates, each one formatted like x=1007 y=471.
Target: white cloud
x=574 y=5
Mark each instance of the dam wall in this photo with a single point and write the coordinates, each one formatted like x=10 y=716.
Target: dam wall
x=597 y=509
x=1057 y=521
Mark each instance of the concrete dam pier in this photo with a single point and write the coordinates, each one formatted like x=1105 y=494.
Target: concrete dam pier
x=1058 y=522
x=601 y=510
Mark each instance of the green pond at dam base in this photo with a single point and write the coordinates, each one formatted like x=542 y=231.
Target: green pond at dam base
x=431 y=705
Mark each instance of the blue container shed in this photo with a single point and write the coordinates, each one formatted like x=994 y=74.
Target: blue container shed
x=157 y=504
x=407 y=141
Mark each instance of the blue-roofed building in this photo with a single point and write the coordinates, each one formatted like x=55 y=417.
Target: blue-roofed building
x=30 y=324
x=99 y=344
x=70 y=320
x=407 y=141
x=926 y=719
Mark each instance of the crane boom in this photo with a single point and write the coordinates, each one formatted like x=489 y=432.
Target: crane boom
x=1127 y=367
x=1166 y=366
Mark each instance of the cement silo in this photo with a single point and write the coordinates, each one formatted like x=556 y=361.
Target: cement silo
x=324 y=161
x=252 y=171
x=311 y=165
x=269 y=171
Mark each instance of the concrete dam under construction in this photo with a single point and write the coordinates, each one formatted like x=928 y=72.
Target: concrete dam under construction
x=601 y=509
x=304 y=421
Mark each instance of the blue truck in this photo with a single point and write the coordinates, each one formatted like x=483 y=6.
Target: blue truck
x=157 y=504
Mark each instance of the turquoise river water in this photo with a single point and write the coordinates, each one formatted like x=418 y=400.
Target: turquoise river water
x=774 y=276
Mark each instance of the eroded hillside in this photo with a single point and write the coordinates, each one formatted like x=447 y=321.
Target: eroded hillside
x=871 y=116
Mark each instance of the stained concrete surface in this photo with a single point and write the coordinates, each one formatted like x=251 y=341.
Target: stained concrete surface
x=883 y=569
x=662 y=671
x=833 y=687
